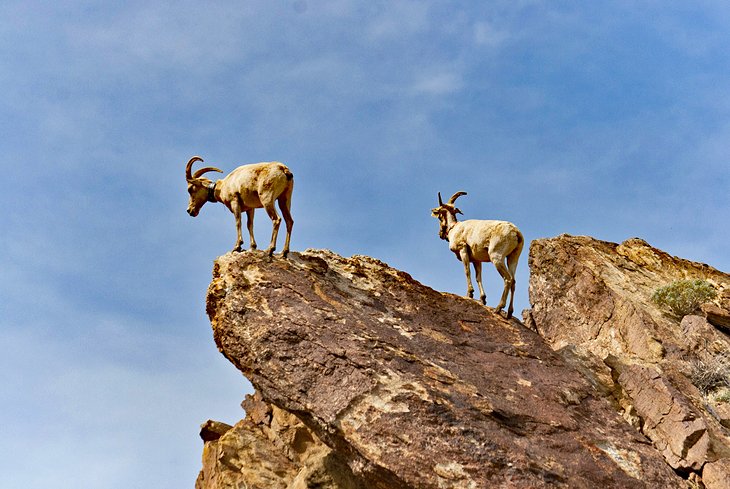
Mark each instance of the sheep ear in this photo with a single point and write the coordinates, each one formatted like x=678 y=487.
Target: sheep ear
x=458 y=211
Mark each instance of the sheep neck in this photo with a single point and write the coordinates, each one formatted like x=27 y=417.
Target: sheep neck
x=211 y=192
x=450 y=222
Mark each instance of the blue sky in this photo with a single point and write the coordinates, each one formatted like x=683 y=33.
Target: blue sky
x=609 y=119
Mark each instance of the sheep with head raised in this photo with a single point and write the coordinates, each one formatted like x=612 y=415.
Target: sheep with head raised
x=475 y=241
x=246 y=188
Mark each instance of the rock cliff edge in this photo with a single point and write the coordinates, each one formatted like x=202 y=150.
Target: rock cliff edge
x=366 y=378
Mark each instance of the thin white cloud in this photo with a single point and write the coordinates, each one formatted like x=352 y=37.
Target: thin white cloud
x=400 y=20
x=184 y=37
x=439 y=84
x=487 y=34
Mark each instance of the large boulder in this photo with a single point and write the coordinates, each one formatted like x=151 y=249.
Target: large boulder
x=405 y=387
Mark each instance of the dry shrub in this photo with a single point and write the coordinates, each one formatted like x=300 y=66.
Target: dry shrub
x=684 y=297
x=711 y=374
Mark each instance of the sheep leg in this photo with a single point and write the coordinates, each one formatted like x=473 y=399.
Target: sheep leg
x=512 y=259
x=508 y=284
x=464 y=254
x=511 y=308
x=236 y=209
x=284 y=205
x=275 y=221
x=478 y=273
x=249 y=225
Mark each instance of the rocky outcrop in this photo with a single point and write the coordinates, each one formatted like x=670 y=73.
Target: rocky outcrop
x=366 y=378
x=270 y=449
x=593 y=298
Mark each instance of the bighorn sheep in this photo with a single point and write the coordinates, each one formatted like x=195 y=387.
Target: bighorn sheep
x=475 y=241
x=246 y=188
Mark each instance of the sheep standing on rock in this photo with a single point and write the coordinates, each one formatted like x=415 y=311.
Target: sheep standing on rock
x=245 y=189
x=476 y=241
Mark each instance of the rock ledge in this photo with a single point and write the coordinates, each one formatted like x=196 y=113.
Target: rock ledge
x=401 y=386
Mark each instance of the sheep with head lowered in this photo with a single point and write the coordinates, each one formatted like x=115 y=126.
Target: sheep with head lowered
x=475 y=241
x=245 y=189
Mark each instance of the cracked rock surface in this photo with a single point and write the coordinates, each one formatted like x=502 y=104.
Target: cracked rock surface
x=592 y=299
x=396 y=385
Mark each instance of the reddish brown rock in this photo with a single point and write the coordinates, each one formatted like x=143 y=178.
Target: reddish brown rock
x=596 y=297
x=408 y=387
x=716 y=475
x=716 y=315
x=598 y=294
x=680 y=432
x=722 y=410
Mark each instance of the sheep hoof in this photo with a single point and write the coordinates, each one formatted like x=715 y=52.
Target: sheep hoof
x=284 y=253
x=270 y=251
x=483 y=299
x=253 y=246
x=237 y=249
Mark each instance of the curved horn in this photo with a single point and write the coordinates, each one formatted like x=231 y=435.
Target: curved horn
x=441 y=202
x=189 y=167
x=205 y=170
x=456 y=196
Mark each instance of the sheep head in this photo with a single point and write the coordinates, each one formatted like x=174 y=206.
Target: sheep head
x=199 y=187
x=444 y=211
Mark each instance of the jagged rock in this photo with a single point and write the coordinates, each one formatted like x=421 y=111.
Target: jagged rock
x=716 y=475
x=407 y=387
x=257 y=410
x=716 y=315
x=597 y=296
x=696 y=330
x=680 y=432
x=589 y=292
x=212 y=430
x=722 y=413
x=271 y=449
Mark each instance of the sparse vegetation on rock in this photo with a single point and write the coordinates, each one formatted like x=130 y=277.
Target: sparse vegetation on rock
x=712 y=374
x=684 y=297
